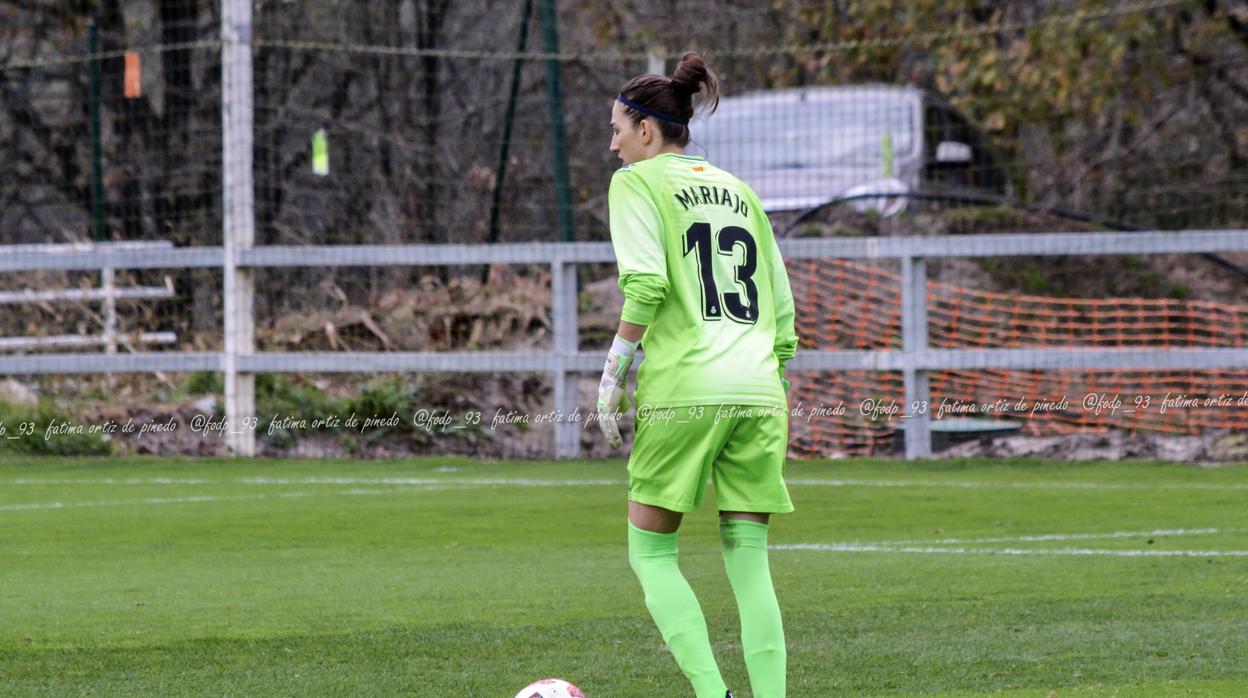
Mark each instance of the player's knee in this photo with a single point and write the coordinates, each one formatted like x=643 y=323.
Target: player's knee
x=648 y=551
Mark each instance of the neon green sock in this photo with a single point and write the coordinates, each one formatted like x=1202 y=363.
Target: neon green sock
x=762 y=632
x=674 y=608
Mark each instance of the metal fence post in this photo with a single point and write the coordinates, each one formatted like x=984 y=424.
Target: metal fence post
x=563 y=306
x=239 y=222
x=108 y=284
x=655 y=62
x=97 y=159
x=548 y=15
x=914 y=341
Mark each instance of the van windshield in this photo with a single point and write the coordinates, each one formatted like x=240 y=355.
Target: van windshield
x=805 y=135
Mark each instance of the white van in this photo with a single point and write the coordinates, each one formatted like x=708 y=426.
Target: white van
x=805 y=147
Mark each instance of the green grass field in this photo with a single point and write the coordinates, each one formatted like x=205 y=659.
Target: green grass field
x=449 y=577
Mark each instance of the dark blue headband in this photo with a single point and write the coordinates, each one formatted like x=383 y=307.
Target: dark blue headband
x=650 y=112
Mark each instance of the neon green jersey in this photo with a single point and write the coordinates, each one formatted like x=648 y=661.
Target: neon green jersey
x=699 y=265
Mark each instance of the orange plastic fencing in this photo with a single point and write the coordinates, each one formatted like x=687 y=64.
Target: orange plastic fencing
x=845 y=304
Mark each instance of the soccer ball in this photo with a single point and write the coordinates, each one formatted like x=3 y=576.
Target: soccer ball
x=550 y=688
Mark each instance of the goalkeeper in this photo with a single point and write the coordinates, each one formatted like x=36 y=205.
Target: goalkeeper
x=707 y=294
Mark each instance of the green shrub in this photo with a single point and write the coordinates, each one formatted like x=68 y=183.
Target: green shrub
x=384 y=397
x=278 y=398
x=26 y=431
x=206 y=383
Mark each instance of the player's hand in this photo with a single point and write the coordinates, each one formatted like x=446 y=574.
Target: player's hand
x=613 y=399
x=612 y=404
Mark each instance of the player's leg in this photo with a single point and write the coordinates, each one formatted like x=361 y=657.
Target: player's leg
x=756 y=517
x=762 y=630
x=667 y=474
x=654 y=519
x=749 y=487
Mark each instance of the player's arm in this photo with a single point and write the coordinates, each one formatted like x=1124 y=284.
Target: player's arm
x=782 y=296
x=631 y=331
x=636 y=236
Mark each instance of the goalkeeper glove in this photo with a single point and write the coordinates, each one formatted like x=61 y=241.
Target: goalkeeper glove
x=612 y=399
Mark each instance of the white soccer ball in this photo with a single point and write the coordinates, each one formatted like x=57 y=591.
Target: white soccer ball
x=550 y=688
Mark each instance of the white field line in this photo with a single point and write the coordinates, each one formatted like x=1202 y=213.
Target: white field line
x=403 y=481
x=929 y=550
x=153 y=501
x=113 y=481
x=468 y=481
x=395 y=485
x=1062 y=537
x=964 y=484
x=129 y=502
x=433 y=484
x=540 y=482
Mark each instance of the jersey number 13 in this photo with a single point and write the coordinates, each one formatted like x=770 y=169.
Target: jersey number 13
x=741 y=305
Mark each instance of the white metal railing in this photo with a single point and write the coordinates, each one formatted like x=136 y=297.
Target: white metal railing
x=107 y=295
x=109 y=341
x=564 y=361
x=87 y=295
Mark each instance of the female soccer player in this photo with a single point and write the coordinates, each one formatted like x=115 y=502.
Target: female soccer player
x=706 y=292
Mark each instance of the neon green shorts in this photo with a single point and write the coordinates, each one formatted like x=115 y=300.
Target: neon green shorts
x=740 y=447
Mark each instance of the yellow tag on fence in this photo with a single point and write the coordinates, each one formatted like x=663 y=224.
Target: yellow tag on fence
x=320 y=153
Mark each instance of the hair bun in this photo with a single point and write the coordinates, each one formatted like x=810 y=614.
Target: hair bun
x=690 y=75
